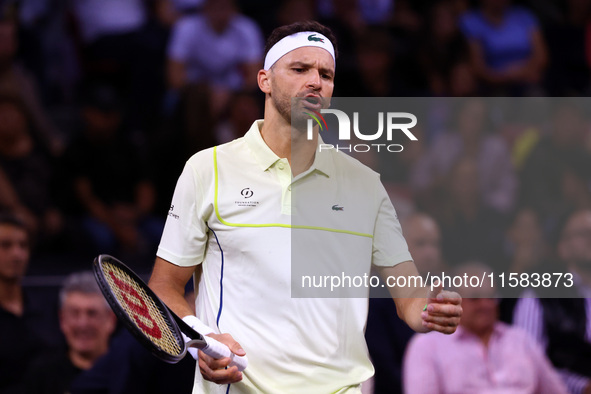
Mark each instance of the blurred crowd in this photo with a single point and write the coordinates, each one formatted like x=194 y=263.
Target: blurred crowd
x=103 y=101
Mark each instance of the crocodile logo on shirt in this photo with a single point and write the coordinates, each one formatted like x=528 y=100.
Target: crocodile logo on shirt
x=317 y=39
x=337 y=208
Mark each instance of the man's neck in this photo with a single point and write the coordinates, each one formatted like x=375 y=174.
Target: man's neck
x=11 y=297
x=289 y=143
x=276 y=133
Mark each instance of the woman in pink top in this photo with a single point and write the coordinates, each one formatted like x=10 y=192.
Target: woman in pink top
x=483 y=356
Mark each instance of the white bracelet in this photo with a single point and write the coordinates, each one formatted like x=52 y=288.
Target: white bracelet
x=198 y=325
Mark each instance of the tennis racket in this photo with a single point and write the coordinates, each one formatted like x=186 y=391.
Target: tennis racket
x=148 y=319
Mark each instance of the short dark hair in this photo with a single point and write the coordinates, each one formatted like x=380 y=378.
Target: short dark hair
x=8 y=218
x=81 y=282
x=297 y=27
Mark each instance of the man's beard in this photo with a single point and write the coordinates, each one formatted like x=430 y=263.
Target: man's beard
x=296 y=118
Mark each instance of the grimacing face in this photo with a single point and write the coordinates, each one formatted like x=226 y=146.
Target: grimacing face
x=87 y=323
x=306 y=73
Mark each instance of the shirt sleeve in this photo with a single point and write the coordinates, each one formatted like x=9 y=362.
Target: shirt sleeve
x=184 y=237
x=389 y=246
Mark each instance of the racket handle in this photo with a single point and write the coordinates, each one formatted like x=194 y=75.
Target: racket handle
x=217 y=349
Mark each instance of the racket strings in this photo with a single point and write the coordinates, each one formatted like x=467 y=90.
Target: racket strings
x=141 y=309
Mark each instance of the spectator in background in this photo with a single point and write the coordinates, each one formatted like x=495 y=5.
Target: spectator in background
x=210 y=56
x=373 y=74
x=562 y=326
x=109 y=179
x=243 y=110
x=526 y=249
x=462 y=80
x=506 y=47
x=470 y=230
x=108 y=19
x=47 y=49
x=187 y=6
x=469 y=136
x=424 y=242
x=87 y=322
x=359 y=12
x=483 y=355
x=407 y=17
x=27 y=324
x=525 y=244
x=129 y=368
x=16 y=82
x=292 y=11
x=570 y=65
x=121 y=42
x=386 y=334
x=442 y=48
x=26 y=173
x=345 y=19
x=395 y=170
x=377 y=12
x=107 y=33
x=220 y=49
x=555 y=174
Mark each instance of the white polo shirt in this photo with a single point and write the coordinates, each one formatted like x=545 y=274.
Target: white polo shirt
x=234 y=214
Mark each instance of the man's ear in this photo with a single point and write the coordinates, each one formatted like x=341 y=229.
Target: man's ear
x=263 y=79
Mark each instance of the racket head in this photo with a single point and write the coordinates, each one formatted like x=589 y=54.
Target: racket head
x=147 y=318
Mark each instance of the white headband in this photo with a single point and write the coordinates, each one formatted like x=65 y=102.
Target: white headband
x=295 y=41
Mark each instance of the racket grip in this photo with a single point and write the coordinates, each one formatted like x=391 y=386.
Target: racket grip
x=217 y=349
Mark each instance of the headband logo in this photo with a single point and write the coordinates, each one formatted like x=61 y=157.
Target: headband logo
x=317 y=39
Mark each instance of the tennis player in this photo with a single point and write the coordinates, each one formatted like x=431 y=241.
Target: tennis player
x=229 y=226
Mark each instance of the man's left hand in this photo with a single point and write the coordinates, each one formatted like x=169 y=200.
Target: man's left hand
x=444 y=309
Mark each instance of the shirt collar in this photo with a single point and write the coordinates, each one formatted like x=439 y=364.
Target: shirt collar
x=262 y=153
x=265 y=157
